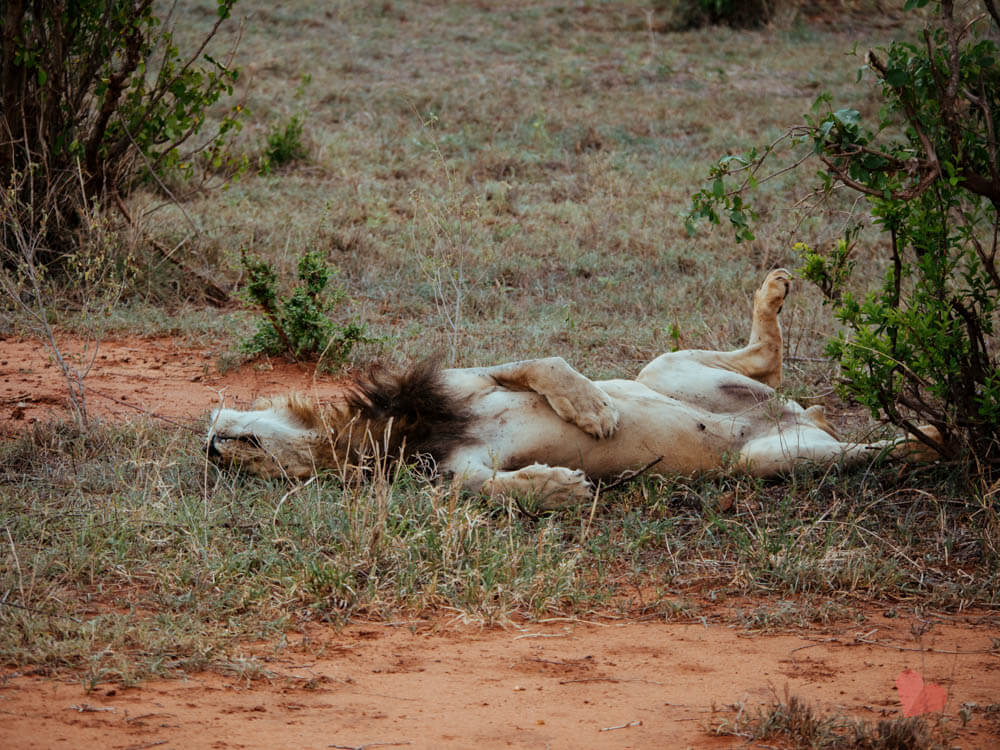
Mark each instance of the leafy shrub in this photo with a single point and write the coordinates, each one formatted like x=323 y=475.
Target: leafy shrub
x=301 y=325
x=923 y=345
x=95 y=93
x=741 y=14
x=284 y=145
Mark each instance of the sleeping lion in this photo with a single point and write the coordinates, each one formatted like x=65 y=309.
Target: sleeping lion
x=539 y=427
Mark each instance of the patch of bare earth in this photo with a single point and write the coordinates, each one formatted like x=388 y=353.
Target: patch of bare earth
x=127 y=377
x=558 y=684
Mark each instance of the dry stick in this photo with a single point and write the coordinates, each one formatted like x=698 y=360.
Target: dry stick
x=371 y=744
x=274 y=519
x=5 y=603
x=140 y=717
x=74 y=378
x=629 y=476
x=17 y=563
x=636 y=723
x=216 y=294
x=862 y=639
x=610 y=679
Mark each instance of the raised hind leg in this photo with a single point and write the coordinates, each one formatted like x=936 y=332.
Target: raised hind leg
x=760 y=359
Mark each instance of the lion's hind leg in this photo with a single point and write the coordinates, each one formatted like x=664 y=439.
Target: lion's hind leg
x=782 y=451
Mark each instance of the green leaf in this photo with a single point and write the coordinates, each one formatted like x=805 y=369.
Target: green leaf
x=849 y=118
x=897 y=78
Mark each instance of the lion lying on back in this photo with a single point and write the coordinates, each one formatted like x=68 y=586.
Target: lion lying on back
x=539 y=427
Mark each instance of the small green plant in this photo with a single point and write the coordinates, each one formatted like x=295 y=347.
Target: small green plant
x=301 y=325
x=284 y=145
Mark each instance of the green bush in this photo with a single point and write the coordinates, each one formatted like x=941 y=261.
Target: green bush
x=301 y=325
x=922 y=346
x=284 y=145
x=96 y=93
x=740 y=14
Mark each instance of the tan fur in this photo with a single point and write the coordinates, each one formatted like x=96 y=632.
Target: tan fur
x=541 y=427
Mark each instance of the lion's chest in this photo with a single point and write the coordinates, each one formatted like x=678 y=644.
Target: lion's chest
x=516 y=426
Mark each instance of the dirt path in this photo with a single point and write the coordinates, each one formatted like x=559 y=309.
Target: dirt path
x=557 y=685
x=424 y=685
x=132 y=376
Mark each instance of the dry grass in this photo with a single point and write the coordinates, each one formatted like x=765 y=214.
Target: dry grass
x=493 y=182
x=795 y=724
x=508 y=182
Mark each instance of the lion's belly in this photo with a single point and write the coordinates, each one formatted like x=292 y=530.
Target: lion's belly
x=520 y=428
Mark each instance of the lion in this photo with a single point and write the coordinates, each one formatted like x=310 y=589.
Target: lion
x=538 y=427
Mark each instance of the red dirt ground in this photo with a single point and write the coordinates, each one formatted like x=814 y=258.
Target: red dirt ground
x=560 y=684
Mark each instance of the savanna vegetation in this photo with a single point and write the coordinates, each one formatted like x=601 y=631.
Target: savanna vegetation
x=489 y=183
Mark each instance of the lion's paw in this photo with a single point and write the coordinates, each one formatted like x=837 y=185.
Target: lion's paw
x=775 y=288
x=911 y=448
x=592 y=412
x=563 y=488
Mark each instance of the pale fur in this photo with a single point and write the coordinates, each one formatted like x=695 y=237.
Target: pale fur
x=539 y=427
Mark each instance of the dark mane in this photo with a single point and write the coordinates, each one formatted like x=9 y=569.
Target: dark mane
x=412 y=412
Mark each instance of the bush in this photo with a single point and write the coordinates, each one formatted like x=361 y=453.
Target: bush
x=94 y=94
x=922 y=346
x=301 y=325
x=739 y=14
x=284 y=145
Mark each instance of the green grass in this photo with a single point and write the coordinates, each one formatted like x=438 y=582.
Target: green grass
x=493 y=184
x=127 y=555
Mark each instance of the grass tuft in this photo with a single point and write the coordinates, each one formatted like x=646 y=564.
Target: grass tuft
x=129 y=555
x=795 y=722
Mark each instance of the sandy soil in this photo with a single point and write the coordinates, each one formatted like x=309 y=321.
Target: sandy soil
x=556 y=685
x=562 y=684
x=128 y=377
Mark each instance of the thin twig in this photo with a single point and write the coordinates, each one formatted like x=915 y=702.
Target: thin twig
x=274 y=519
x=5 y=603
x=216 y=294
x=636 y=723
x=609 y=679
x=148 y=744
x=628 y=476
x=924 y=649
x=371 y=744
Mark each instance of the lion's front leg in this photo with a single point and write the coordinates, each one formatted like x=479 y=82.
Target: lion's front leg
x=553 y=486
x=572 y=396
